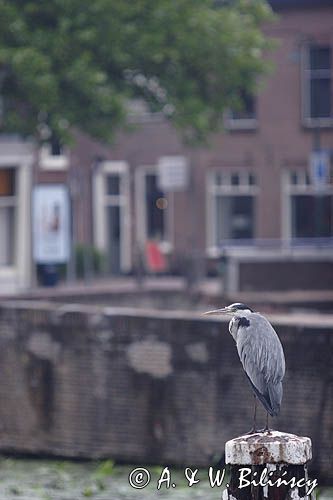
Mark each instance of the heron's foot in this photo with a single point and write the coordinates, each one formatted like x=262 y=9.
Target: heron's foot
x=265 y=430
x=252 y=431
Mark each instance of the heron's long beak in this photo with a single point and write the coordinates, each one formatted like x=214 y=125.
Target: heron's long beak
x=224 y=310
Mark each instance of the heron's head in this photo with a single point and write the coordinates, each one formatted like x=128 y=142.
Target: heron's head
x=232 y=310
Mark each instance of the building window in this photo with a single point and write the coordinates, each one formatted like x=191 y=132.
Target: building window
x=310 y=211
x=312 y=216
x=232 y=200
x=318 y=84
x=154 y=212
x=113 y=184
x=53 y=156
x=246 y=116
x=7 y=215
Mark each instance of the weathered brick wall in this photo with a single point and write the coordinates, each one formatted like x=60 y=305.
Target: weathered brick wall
x=146 y=386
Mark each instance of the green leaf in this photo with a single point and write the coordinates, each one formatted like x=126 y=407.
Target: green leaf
x=70 y=61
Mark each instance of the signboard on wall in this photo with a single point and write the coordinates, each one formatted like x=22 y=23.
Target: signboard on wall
x=173 y=173
x=320 y=169
x=50 y=223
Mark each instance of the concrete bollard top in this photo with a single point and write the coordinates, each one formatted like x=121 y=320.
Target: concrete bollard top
x=269 y=447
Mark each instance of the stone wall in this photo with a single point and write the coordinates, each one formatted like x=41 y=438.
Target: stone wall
x=149 y=387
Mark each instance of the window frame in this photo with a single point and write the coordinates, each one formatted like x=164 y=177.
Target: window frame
x=10 y=202
x=49 y=161
x=213 y=190
x=306 y=72
x=301 y=187
x=17 y=275
x=242 y=123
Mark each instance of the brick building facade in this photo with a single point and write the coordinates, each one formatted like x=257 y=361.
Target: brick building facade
x=253 y=181
x=251 y=193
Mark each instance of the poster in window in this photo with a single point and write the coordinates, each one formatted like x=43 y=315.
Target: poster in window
x=51 y=228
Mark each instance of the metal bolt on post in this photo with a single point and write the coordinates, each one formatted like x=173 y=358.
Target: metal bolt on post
x=269 y=466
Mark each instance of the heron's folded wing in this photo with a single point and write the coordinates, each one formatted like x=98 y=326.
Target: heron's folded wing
x=254 y=369
x=261 y=353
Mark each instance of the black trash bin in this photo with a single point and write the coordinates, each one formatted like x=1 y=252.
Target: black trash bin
x=49 y=275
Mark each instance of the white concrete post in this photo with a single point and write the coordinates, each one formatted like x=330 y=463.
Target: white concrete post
x=269 y=465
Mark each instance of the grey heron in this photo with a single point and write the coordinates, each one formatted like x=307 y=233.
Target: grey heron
x=261 y=354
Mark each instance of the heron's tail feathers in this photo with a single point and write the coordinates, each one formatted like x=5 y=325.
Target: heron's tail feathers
x=275 y=392
x=273 y=410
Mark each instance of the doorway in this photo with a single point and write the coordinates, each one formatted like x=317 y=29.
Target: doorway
x=111 y=216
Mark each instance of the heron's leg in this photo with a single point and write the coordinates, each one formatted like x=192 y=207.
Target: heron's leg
x=255 y=414
x=266 y=426
x=254 y=427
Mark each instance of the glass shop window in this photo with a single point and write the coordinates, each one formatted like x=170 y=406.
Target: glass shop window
x=7 y=215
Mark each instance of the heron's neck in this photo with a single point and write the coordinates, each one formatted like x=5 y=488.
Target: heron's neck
x=235 y=321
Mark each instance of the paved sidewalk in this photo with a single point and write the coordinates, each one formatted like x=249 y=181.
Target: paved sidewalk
x=120 y=284
x=207 y=291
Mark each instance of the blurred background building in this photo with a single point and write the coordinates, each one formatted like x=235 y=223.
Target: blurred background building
x=248 y=217
x=255 y=203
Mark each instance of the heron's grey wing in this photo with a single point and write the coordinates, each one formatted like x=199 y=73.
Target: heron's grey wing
x=262 y=357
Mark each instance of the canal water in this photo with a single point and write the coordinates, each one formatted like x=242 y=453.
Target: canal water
x=32 y=479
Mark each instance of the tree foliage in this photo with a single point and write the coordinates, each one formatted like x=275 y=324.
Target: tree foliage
x=66 y=63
